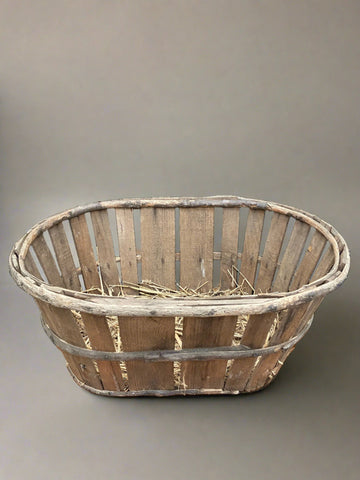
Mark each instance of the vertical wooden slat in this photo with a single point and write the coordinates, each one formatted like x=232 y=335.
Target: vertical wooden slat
x=96 y=326
x=153 y=333
x=309 y=262
x=250 y=254
x=47 y=261
x=62 y=322
x=85 y=252
x=229 y=245
x=270 y=365
x=64 y=257
x=127 y=246
x=75 y=363
x=196 y=267
x=292 y=320
x=271 y=253
x=291 y=257
x=255 y=334
x=105 y=248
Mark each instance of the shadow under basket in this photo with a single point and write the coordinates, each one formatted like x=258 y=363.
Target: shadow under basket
x=242 y=280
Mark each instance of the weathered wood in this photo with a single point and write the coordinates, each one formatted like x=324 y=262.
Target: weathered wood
x=229 y=246
x=105 y=248
x=309 y=262
x=158 y=265
x=239 y=351
x=64 y=257
x=271 y=253
x=324 y=275
x=269 y=366
x=196 y=268
x=127 y=247
x=64 y=325
x=250 y=254
x=291 y=257
x=85 y=251
x=100 y=339
x=255 y=334
x=47 y=261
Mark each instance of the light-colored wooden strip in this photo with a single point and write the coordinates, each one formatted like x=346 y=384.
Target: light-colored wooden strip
x=291 y=257
x=105 y=248
x=127 y=247
x=255 y=334
x=138 y=334
x=271 y=253
x=62 y=322
x=158 y=245
x=100 y=338
x=250 y=254
x=196 y=268
x=324 y=265
x=229 y=246
x=158 y=265
x=31 y=267
x=308 y=263
x=47 y=261
x=269 y=365
x=85 y=252
x=64 y=257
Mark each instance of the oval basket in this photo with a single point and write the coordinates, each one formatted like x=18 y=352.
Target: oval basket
x=178 y=296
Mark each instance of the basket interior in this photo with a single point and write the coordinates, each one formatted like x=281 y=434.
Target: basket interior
x=210 y=247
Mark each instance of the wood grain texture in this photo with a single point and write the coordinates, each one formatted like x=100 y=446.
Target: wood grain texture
x=153 y=333
x=291 y=257
x=255 y=334
x=100 y=339
x=308 y=263
x=269 y=365
x=273 y=244
x=105 y=249
x=196 y=267
x=127 y=246
x=64 y=257
x=62 y=322
x=250 y=254
x=229 y=246
x=47 y=261
x=85 y=251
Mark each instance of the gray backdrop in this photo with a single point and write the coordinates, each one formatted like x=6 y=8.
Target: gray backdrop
x=107 y=99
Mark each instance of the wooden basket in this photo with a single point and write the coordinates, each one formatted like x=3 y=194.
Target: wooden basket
x=126 y=345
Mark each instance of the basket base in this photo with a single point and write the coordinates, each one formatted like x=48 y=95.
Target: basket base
x=163 y=393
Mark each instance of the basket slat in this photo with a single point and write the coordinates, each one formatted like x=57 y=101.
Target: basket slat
x=158 y=265
x=255 y=334
x=105 y=247
x=64 y=257
x=269 y=366
x=127 y=246
x=100 y=337
x=196 y=267
x=75 y=363
x=96 y=326
x=309 y=262
x=229 y=245
x=85 y=251
x=271 y=253
x=250 y=254
x=47 y=261
x=291 y=257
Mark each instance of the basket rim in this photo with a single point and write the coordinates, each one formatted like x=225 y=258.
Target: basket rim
x=187 y=306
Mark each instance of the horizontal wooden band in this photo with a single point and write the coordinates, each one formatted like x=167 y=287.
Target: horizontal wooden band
x=214 y=353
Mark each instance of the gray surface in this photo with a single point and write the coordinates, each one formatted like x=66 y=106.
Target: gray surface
x=106 y=99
